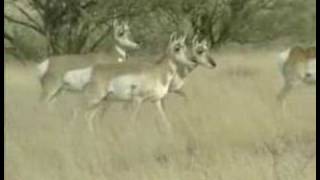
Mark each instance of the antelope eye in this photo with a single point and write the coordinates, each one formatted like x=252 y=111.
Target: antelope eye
x=200 y=51
x=177 y=49
x=121 y=33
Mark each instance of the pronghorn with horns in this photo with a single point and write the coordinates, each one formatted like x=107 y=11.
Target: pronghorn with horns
x=136 y=84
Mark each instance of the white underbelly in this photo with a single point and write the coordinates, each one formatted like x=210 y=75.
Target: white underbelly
x=78 y=79
x=176 y=84
x=127 y=87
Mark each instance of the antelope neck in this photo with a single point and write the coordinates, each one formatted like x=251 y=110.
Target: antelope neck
x=170 y=69
x=183 y=71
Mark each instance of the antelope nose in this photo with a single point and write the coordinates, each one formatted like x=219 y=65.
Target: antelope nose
x=213 y=63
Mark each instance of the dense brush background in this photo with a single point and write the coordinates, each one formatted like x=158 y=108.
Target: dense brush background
x=231 y=128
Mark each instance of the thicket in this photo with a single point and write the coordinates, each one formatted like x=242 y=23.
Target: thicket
x=39 y=28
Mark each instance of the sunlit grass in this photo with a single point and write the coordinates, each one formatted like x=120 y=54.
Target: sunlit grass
x=232 y=128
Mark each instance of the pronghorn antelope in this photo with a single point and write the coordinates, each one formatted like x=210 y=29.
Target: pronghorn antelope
x=55 y=71
x=297 y=65
x=137 y=84
x=200 y=56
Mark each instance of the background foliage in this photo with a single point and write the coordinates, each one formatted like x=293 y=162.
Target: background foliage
x=39 y=28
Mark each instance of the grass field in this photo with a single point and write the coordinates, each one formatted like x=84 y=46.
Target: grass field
x=230 y=129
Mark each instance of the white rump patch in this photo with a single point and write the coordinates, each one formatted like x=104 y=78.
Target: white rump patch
x=125 y=86
x=77 y=79
x=43 y=67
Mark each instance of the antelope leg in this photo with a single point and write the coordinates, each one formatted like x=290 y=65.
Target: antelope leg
x=284 y=92
x=95 y=107
x=163 y=115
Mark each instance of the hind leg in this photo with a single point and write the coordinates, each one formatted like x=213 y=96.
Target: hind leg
x=163 y=117
x=97 y=106
x=286 y=89
x=51 y=86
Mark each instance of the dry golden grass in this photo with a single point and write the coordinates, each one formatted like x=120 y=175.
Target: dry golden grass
x=231 y=129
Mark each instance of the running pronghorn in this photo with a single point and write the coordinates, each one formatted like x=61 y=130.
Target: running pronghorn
x=55 y=71
x=297 y=65
x=136 y=84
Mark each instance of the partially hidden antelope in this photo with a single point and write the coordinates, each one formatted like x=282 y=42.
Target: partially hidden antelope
x=297 y=66
x=200 y=56
x=55 y=71
x=136 y=84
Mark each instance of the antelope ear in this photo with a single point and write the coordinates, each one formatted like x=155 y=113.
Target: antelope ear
x=195 y=40
x=173 y=36
x=204 y=42
x=183 y=38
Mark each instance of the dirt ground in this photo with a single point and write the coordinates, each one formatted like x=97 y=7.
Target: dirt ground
x=230 y=129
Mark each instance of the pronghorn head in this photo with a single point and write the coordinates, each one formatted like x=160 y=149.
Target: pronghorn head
x=201 y=54
x=177 y=49
x=122 y=35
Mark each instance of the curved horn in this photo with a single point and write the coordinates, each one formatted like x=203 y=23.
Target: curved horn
x=184 y=37
x=195 y=40
x=173 y=36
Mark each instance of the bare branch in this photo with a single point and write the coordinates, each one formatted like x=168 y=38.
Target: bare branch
x=28 y=16
x=100 y=39
x=24 y=24
x=8 y=37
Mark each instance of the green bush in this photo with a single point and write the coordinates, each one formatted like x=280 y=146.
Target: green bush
x=152 y=21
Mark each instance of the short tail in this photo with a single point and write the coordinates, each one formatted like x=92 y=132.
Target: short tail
x=43 y=67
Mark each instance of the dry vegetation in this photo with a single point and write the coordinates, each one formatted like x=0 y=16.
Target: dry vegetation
x=231 y=129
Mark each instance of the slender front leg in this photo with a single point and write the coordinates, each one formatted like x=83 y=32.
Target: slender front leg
x=105 y=106
x=284 y=92
x=97 y=112
x=163 y=115
x=91 y=118
x=53 y=96
x=96 y=106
